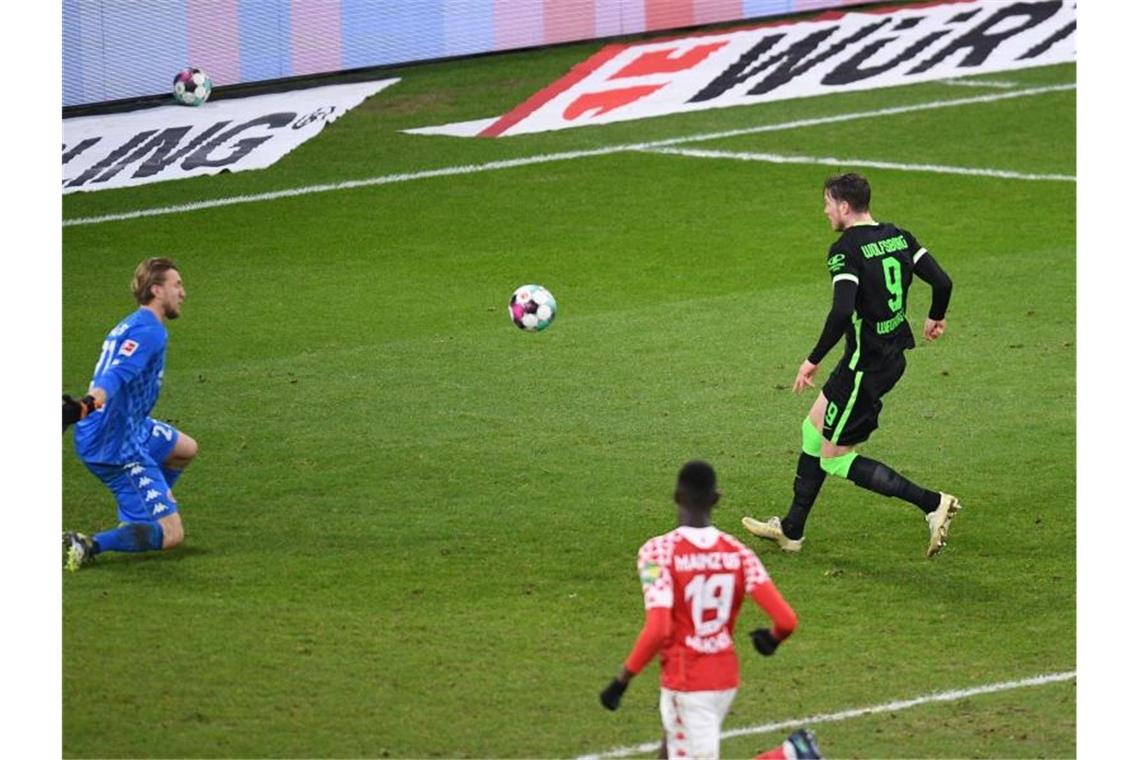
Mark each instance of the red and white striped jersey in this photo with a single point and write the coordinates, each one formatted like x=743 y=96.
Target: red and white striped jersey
x=702 y=575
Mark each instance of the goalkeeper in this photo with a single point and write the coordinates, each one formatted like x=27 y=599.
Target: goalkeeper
x=138 y=458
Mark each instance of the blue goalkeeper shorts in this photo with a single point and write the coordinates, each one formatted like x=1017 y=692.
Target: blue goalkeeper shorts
x=161 y=441
x=140 y=488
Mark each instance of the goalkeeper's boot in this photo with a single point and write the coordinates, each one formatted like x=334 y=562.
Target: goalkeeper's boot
x=773 y=531
x=939 y=522
x=79 y=549
x=805 y=745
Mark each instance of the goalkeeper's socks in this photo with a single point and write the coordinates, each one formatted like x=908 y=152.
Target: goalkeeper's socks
x=877 y=477
x=805 y=489
x=130 y=537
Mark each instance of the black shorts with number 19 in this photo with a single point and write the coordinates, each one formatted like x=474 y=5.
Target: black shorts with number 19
x=855 y=398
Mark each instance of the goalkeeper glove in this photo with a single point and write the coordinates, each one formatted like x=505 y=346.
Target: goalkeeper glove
x=74 y=411
x=611 y=695
x=764 y=641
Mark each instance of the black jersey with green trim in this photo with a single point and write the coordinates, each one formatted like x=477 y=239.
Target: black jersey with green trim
x=879 y=258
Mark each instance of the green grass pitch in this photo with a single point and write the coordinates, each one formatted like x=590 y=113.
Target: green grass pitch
x=411 y=530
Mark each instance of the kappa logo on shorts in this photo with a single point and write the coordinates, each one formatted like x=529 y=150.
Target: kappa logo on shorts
x=152 y=494
x=144 y=482
x=159 y=508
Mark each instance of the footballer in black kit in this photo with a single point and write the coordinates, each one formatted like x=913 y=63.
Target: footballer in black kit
x=871 y=266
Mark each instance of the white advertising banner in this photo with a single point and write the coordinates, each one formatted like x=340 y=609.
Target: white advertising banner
x=835 y=52
x=173 y=141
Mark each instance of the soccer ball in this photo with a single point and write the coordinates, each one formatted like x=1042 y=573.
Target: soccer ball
x=192 y=87
x=532 y=308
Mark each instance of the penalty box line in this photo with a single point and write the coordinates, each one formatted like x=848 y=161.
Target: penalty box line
x=550 y=157
x=775 y=158
x=858 y=712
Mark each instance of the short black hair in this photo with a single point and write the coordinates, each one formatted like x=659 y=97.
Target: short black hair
x=697 y=482
x=851 y=187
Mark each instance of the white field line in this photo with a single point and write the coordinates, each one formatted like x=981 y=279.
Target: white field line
x=858 y=712
x=549 y=157
x=979 y=83
x=774 y=158
x=992 y=98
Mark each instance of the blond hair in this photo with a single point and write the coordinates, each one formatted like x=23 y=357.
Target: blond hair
x=149 y=273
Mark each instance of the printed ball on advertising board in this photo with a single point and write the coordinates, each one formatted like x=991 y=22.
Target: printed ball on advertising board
x=532 y=308
x=192 y=87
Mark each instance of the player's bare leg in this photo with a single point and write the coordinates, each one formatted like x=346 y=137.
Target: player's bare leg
x=172 y=533
x=180 y=457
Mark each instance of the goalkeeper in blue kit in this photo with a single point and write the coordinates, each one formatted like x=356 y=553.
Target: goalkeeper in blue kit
x=138 y=458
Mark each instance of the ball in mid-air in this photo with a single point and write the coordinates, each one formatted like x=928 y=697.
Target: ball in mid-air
x=192 y=87
x=532 y=308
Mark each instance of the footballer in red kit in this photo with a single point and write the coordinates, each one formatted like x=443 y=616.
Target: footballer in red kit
x=699 y=576
x=694 y=580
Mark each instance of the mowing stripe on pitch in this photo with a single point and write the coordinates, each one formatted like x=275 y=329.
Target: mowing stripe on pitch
x=858 y=712
x=979 y=83
x=774 y=158
x=549 y=157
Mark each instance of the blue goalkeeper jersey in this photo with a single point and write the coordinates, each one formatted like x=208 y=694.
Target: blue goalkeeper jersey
x=130 y=370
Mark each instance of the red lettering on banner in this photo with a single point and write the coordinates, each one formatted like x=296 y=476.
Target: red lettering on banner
x=608 y=100
x=663 y=62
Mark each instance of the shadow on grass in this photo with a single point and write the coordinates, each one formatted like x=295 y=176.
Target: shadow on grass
x=124 y=561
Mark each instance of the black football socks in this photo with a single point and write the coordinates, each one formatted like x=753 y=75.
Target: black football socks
x=805 y=489
x=877 y=477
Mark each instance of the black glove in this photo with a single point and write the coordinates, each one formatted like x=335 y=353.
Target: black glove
x=74 y=411
x=611 y=695
x=764 y=641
